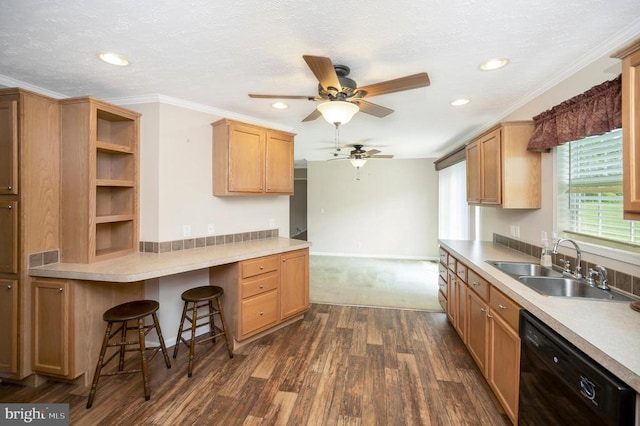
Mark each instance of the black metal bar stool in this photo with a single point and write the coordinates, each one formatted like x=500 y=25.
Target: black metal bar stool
x=121 y=314
x=195 y=298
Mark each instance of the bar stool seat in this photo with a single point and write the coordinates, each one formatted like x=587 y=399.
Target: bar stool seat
x=195 y=298
x=121 y=314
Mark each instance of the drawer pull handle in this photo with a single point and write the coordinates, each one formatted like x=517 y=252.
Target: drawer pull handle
x=482 y=310
x=8 y=207
x=261 y=285
x=9 y=187
x=476 y=283
x=9 y=287
x=261 y=267
x=501 y=306
x=489 y=316
x=261 y=313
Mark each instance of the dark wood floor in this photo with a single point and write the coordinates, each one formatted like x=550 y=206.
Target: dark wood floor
x=341 y=365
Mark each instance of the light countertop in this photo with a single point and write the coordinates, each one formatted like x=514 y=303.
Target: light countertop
x=609 y=332
x=143 y=266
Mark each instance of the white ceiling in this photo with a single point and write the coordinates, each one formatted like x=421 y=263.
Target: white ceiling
x=211 y=54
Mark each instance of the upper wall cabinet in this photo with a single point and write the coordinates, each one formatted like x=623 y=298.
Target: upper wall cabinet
x=251 y=160
x=500 y=170
x=99 y=185
x=630 y=56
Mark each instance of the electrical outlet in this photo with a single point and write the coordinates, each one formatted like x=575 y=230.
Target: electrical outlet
x=186 y=230
x=210 y=229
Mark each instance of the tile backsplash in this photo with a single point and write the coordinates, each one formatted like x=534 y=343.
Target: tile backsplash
x=617 y=279
x=211 y=240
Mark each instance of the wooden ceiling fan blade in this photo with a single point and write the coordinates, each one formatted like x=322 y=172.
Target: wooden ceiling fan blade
x=414 y=81
x=373 y=152
x=324 y=71
x=310 y=98
x=314 y=114
x=373 y=109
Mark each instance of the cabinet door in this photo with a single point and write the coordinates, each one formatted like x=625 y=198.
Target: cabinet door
x=294 y=283
x=246 y=159
x=9 y=326
x=451 y=298
x=8 y=147
x=279 y=163
x=473 y=173
x=504 y=364
x=491 y=182
x=631 y=135
x=461 y=309
x=478 y=330
x=9 y=237
x=51 y=324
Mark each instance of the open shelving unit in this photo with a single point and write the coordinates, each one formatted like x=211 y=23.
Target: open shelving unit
x=99 y=180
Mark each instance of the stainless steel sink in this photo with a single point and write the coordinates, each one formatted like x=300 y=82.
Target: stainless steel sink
x=569 y=287
x=518 y=269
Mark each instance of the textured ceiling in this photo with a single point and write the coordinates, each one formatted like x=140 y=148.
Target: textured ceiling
x=211 y=54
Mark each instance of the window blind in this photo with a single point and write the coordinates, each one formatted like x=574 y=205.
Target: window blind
x=590 y=189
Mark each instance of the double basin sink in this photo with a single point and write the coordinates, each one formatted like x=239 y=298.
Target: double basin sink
x=550 y=282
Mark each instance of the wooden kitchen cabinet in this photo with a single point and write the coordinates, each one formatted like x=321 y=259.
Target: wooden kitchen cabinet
x=443 y=279
x=99 y=181
x=9 y=230
x=500 y=170
x=251 y=160
x=262 y=293
x=9 y=325
x=294 y=283
x=504 y=352
x=53 y=333
x=8 y=147
x=478 y=320
x=630 y=56
x=29 y=214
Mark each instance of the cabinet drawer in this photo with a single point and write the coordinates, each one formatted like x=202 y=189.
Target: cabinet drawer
x=260 y=265
x=259 y=312
x=478 y=284
x=505 y=307
x=444 y=256
x=451 y=263
x=442 y=269
x=443 y=300
x=259 y=284
x=442 y=285
x=461 y=271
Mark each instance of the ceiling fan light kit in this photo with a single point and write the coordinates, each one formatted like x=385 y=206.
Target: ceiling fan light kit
x=358 y=162
x=338 y=112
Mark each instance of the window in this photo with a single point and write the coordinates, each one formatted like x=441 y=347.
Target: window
x=453 y=211
x=590 y=191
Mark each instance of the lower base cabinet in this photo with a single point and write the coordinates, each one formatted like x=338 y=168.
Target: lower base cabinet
x=490 y=335
x=53 y=334
x=9 y=325
x=262 y=293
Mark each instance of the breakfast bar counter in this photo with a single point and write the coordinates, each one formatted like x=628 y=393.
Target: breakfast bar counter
x=144 y=266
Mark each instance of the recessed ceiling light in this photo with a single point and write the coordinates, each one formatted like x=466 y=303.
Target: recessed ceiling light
x=459 y=102
x=114 y=59
x=493 y=64
x=280 y=105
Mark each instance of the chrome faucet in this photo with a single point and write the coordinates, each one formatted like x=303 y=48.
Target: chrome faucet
x=578 y=271
x=602 y=273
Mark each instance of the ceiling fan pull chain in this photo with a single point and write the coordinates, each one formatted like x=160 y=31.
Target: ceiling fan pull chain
x=337 y=137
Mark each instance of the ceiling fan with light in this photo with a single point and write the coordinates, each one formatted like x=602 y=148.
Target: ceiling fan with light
x=358 y=156
x=340 y=95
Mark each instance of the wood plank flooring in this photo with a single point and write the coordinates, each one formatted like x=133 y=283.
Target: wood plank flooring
x=340 y=365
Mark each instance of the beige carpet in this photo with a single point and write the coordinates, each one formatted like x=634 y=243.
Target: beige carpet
x=389 y=283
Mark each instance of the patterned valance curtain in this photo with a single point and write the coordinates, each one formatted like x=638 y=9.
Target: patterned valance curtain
x=596 y=111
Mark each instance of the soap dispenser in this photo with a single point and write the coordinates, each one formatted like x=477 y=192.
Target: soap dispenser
x=545 y=256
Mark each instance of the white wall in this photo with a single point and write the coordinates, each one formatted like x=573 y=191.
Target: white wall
x=390 y=212
x=176 y=189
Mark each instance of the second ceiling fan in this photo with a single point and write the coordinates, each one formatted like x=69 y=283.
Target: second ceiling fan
x=335 y=86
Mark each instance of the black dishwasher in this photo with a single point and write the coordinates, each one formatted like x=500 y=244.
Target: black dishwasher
x=561 y=385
